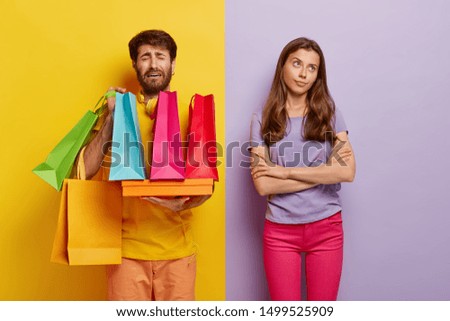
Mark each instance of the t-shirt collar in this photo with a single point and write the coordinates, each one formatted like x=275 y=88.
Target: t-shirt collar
x=151 y=104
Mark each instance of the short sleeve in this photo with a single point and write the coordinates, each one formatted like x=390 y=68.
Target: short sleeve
x=339 y=124
x=80 y=166
x=255 y=130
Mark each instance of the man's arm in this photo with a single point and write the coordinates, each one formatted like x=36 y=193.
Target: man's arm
x=97 y=148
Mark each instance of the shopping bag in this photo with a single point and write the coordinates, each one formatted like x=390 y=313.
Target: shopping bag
x=89 y=228
x=59 y=162
x=201 y=160
x=127 y=149
x=167 y=154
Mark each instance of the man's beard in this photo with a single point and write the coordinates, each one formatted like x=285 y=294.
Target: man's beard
x=152 y=87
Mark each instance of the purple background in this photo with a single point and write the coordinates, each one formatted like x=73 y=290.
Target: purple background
x=389 y=72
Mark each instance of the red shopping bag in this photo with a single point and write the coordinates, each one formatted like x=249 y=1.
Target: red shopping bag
x=202 y=148
x=167 y=155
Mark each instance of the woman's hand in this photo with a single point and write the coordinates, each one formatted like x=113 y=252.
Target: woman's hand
x=264 y=168
x=267 y=185
x=341 y=156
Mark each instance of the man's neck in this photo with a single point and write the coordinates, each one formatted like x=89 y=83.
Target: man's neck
x=147 y=96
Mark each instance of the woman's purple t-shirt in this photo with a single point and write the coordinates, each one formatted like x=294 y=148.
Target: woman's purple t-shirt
x=309 y=205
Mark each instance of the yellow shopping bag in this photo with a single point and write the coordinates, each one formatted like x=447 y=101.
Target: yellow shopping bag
x=89 y=228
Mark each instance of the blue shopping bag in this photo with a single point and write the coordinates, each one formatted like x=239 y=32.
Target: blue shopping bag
x=127 y=149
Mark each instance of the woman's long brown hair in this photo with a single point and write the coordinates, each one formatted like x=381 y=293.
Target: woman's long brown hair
x=320 y=107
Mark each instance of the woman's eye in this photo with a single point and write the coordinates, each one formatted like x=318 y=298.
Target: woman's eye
x=312 y=68
x=296 y=63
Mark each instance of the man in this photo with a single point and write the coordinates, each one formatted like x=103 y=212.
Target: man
x=158 y=251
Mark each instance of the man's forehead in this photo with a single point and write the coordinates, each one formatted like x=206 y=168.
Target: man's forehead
x=150 y=48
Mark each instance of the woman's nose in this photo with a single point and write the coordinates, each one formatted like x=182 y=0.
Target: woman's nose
x=303 y=72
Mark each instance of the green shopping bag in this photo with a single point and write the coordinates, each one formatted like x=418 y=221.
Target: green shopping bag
x=59 y=162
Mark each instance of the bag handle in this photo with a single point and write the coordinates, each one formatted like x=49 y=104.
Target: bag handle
x=155 y=110
x=81 y=170
x=99 y=109
x=191 y=111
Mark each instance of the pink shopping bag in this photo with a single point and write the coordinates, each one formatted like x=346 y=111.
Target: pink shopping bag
x=167 y=155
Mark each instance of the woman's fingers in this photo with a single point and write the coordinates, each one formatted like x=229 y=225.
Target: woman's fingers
x=259 y=171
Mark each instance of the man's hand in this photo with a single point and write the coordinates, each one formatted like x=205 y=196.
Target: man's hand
x=174 y=204
x=112 y=100
x=178 y=204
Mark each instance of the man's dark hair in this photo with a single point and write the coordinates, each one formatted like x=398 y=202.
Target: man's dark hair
x=157 y=38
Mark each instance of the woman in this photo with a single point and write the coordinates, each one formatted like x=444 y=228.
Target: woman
x=300 y=154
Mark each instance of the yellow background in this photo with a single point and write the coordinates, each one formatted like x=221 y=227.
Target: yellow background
x=57 y=58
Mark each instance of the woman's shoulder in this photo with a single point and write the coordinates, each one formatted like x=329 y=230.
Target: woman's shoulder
x=339 y=121
x=337 y=111
x=257 y=114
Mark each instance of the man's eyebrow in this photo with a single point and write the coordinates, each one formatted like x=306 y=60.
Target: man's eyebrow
x=148 y=53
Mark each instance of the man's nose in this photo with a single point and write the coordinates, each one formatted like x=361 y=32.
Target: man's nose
x=153 y=62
